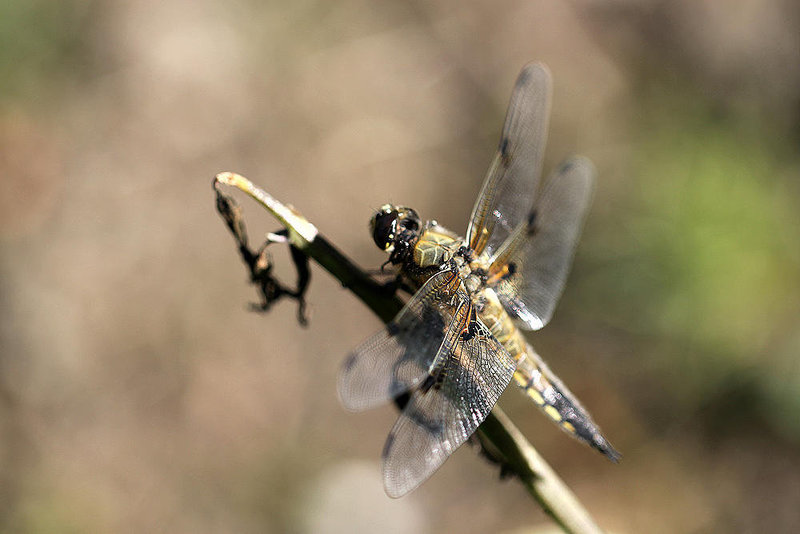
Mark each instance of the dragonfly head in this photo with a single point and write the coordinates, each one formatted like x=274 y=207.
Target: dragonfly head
x=394 y=227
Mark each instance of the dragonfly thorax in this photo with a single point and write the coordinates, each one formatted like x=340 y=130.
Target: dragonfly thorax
x=469 y=270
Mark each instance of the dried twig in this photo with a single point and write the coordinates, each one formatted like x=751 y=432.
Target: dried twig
x=259 y=262
x=500 y=441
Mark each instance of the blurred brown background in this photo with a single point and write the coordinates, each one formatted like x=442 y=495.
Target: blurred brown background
x=138 y=394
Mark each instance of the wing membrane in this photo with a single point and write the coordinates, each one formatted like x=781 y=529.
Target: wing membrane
x=541 y=252
x=474 y=370
x=510 y=186
x=400 y=356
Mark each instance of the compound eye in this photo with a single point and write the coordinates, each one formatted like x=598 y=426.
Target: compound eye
x=409 y=220
x=411 y=225
x=384 y=227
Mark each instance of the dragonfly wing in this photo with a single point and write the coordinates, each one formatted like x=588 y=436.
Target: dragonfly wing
x=400 y=356
x=541 y=259
x=473 y=371
x=510 y=186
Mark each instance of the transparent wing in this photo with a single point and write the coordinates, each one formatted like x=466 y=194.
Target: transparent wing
x=399 y=357
x=441 y=415
x=510 y=186
x=536 y=260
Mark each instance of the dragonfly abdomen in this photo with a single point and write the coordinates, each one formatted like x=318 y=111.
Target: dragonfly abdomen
x=536 y=380
x=547 y=391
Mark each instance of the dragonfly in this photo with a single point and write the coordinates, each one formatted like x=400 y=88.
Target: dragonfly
x=458 y=341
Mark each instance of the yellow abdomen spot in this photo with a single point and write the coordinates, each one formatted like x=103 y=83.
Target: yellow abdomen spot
x=552 y=412
x=537 y=398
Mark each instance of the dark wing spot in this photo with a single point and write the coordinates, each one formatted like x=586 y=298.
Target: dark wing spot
x=523 y=78
x=432 y=426
x=393 y=329
x=350 y=362
x=505 y=151
x=532 y=222
x=427 y=384
x=470 y=331
x=504 y=142
x=402 y=399
x=388 y=445
x=472 y=325
x=566 y=165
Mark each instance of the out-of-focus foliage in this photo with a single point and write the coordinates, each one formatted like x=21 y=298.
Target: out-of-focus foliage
x=137 y=393
x=42 y=45
x=700 y=253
